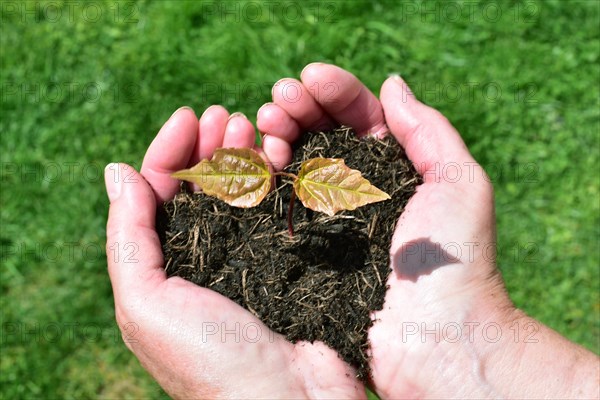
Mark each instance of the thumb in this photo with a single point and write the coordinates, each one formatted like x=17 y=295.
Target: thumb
x=430 y=141
x=133 y=250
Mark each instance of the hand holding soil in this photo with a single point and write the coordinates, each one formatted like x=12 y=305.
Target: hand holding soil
x=441 y=272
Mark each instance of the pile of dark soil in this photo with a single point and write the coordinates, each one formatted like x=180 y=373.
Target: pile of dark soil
x=320 y=284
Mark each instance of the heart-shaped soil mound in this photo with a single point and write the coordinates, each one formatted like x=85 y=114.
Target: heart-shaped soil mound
x=320 y=284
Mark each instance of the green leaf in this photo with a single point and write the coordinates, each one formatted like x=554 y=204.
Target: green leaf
x=239 y=177
x=328 y=185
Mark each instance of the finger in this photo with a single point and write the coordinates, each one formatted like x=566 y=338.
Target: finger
x=212 y=131
x=170 y=151
x=273 y=120
x=456 y=189
x=293 y=97
x=347 y=100
x=278 y=151
x=336 y=379
x=430 y=141
x=239 y=132
x=134 y=256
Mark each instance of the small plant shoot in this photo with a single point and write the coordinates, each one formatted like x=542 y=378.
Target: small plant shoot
x=241 y=178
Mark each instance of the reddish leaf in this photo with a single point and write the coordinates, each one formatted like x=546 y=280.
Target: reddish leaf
x=239 y=177
x=328 y=185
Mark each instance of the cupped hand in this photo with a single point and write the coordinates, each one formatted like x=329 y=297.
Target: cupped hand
x=193 y=341
x=444 y=285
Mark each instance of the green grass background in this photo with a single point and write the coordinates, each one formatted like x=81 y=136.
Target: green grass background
x=84 y=85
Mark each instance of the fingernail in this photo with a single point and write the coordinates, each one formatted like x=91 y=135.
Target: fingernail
x=380 y=133
x=182 y=108
x=112 y=181
x=263 y=106
x=308 y=65
x=209 y=108
x=237 y=114
x=396 y=77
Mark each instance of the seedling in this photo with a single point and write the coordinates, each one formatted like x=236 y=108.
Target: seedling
x=241 y=178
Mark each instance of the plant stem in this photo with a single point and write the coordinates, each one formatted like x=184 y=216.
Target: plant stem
x=286 y=174
x=290 y=215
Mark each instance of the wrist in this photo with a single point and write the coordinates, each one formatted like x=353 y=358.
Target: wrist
x=489 y=347
x=530 y=360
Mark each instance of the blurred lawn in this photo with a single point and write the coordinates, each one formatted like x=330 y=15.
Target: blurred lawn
x=84 y=84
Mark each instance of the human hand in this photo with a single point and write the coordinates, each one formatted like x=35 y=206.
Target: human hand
x=192 y=340
x=427 y=286
x=432 y=338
